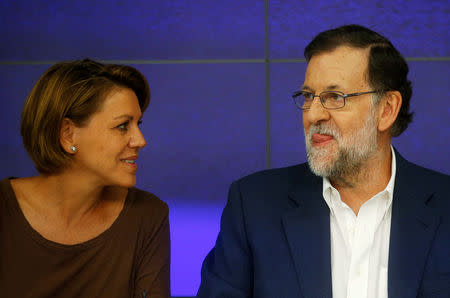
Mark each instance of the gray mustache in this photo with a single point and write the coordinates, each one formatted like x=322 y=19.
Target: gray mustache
x=324 y=129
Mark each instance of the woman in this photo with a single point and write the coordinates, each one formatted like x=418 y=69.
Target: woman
x=80 y=228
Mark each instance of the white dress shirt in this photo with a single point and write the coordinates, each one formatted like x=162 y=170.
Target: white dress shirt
x=360 y=244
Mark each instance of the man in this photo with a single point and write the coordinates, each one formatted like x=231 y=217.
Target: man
x=357 y=221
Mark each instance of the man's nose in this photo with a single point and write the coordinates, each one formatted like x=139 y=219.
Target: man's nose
x=316 y=113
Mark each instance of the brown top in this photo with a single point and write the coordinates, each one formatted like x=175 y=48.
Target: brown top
x=130 y=259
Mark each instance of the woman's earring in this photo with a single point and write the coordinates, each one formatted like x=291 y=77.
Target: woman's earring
x=73 y=148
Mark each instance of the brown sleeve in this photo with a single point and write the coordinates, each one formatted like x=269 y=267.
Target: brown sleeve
x=153 y=273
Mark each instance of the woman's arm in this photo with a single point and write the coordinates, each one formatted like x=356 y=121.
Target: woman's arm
x=153 y=273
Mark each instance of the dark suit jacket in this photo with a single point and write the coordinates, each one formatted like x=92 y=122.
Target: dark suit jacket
x=274 y=239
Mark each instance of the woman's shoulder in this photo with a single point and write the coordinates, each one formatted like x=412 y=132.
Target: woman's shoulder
x=4 y=183
x=146 y=203
x=17 y=185
x=5 y=190
x=10 y=185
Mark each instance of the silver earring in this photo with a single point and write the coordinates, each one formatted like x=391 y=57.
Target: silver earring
x=73 y=148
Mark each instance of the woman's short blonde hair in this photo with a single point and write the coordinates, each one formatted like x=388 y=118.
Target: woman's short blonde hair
x=73 y=90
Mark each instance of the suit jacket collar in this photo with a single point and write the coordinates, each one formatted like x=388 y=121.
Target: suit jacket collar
x=307 y=229
x=413 y=225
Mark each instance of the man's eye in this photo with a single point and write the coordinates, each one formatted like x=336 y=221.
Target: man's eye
x=333 y=96
x=308 y=95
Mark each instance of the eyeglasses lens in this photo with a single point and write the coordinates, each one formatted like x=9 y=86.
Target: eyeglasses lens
x=305 y=100
x=332 y=100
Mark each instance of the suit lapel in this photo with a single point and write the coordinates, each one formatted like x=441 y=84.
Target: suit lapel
x=412 y=228
x=307 y=229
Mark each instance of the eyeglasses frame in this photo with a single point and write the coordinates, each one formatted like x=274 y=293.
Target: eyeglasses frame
x=298 y=93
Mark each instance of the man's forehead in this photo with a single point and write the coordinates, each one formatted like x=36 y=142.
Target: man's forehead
x=329 y=87
x=343 y=53
x=341 y=68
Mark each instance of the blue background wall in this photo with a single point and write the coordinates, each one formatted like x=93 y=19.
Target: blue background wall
x=221 y=75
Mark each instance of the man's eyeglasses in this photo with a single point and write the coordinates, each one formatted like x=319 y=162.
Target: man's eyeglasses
x=330 y=100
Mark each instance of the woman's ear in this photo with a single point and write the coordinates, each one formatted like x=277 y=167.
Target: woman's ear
x=66 y=136
x=388 y=110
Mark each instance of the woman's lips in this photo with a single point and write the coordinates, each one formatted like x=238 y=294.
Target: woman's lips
x=321 y=140
x=131 y=162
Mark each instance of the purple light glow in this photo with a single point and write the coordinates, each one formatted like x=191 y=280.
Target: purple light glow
x=194 y=228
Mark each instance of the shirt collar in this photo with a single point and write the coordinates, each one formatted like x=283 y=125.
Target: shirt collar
x=328 y=189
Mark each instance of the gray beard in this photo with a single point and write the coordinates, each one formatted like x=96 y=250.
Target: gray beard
x=352 y=152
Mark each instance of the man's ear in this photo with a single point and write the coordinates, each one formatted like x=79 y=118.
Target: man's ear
x=388 y=110
x=66 y=135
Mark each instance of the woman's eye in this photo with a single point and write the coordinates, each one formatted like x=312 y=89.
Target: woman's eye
x=123 y=126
